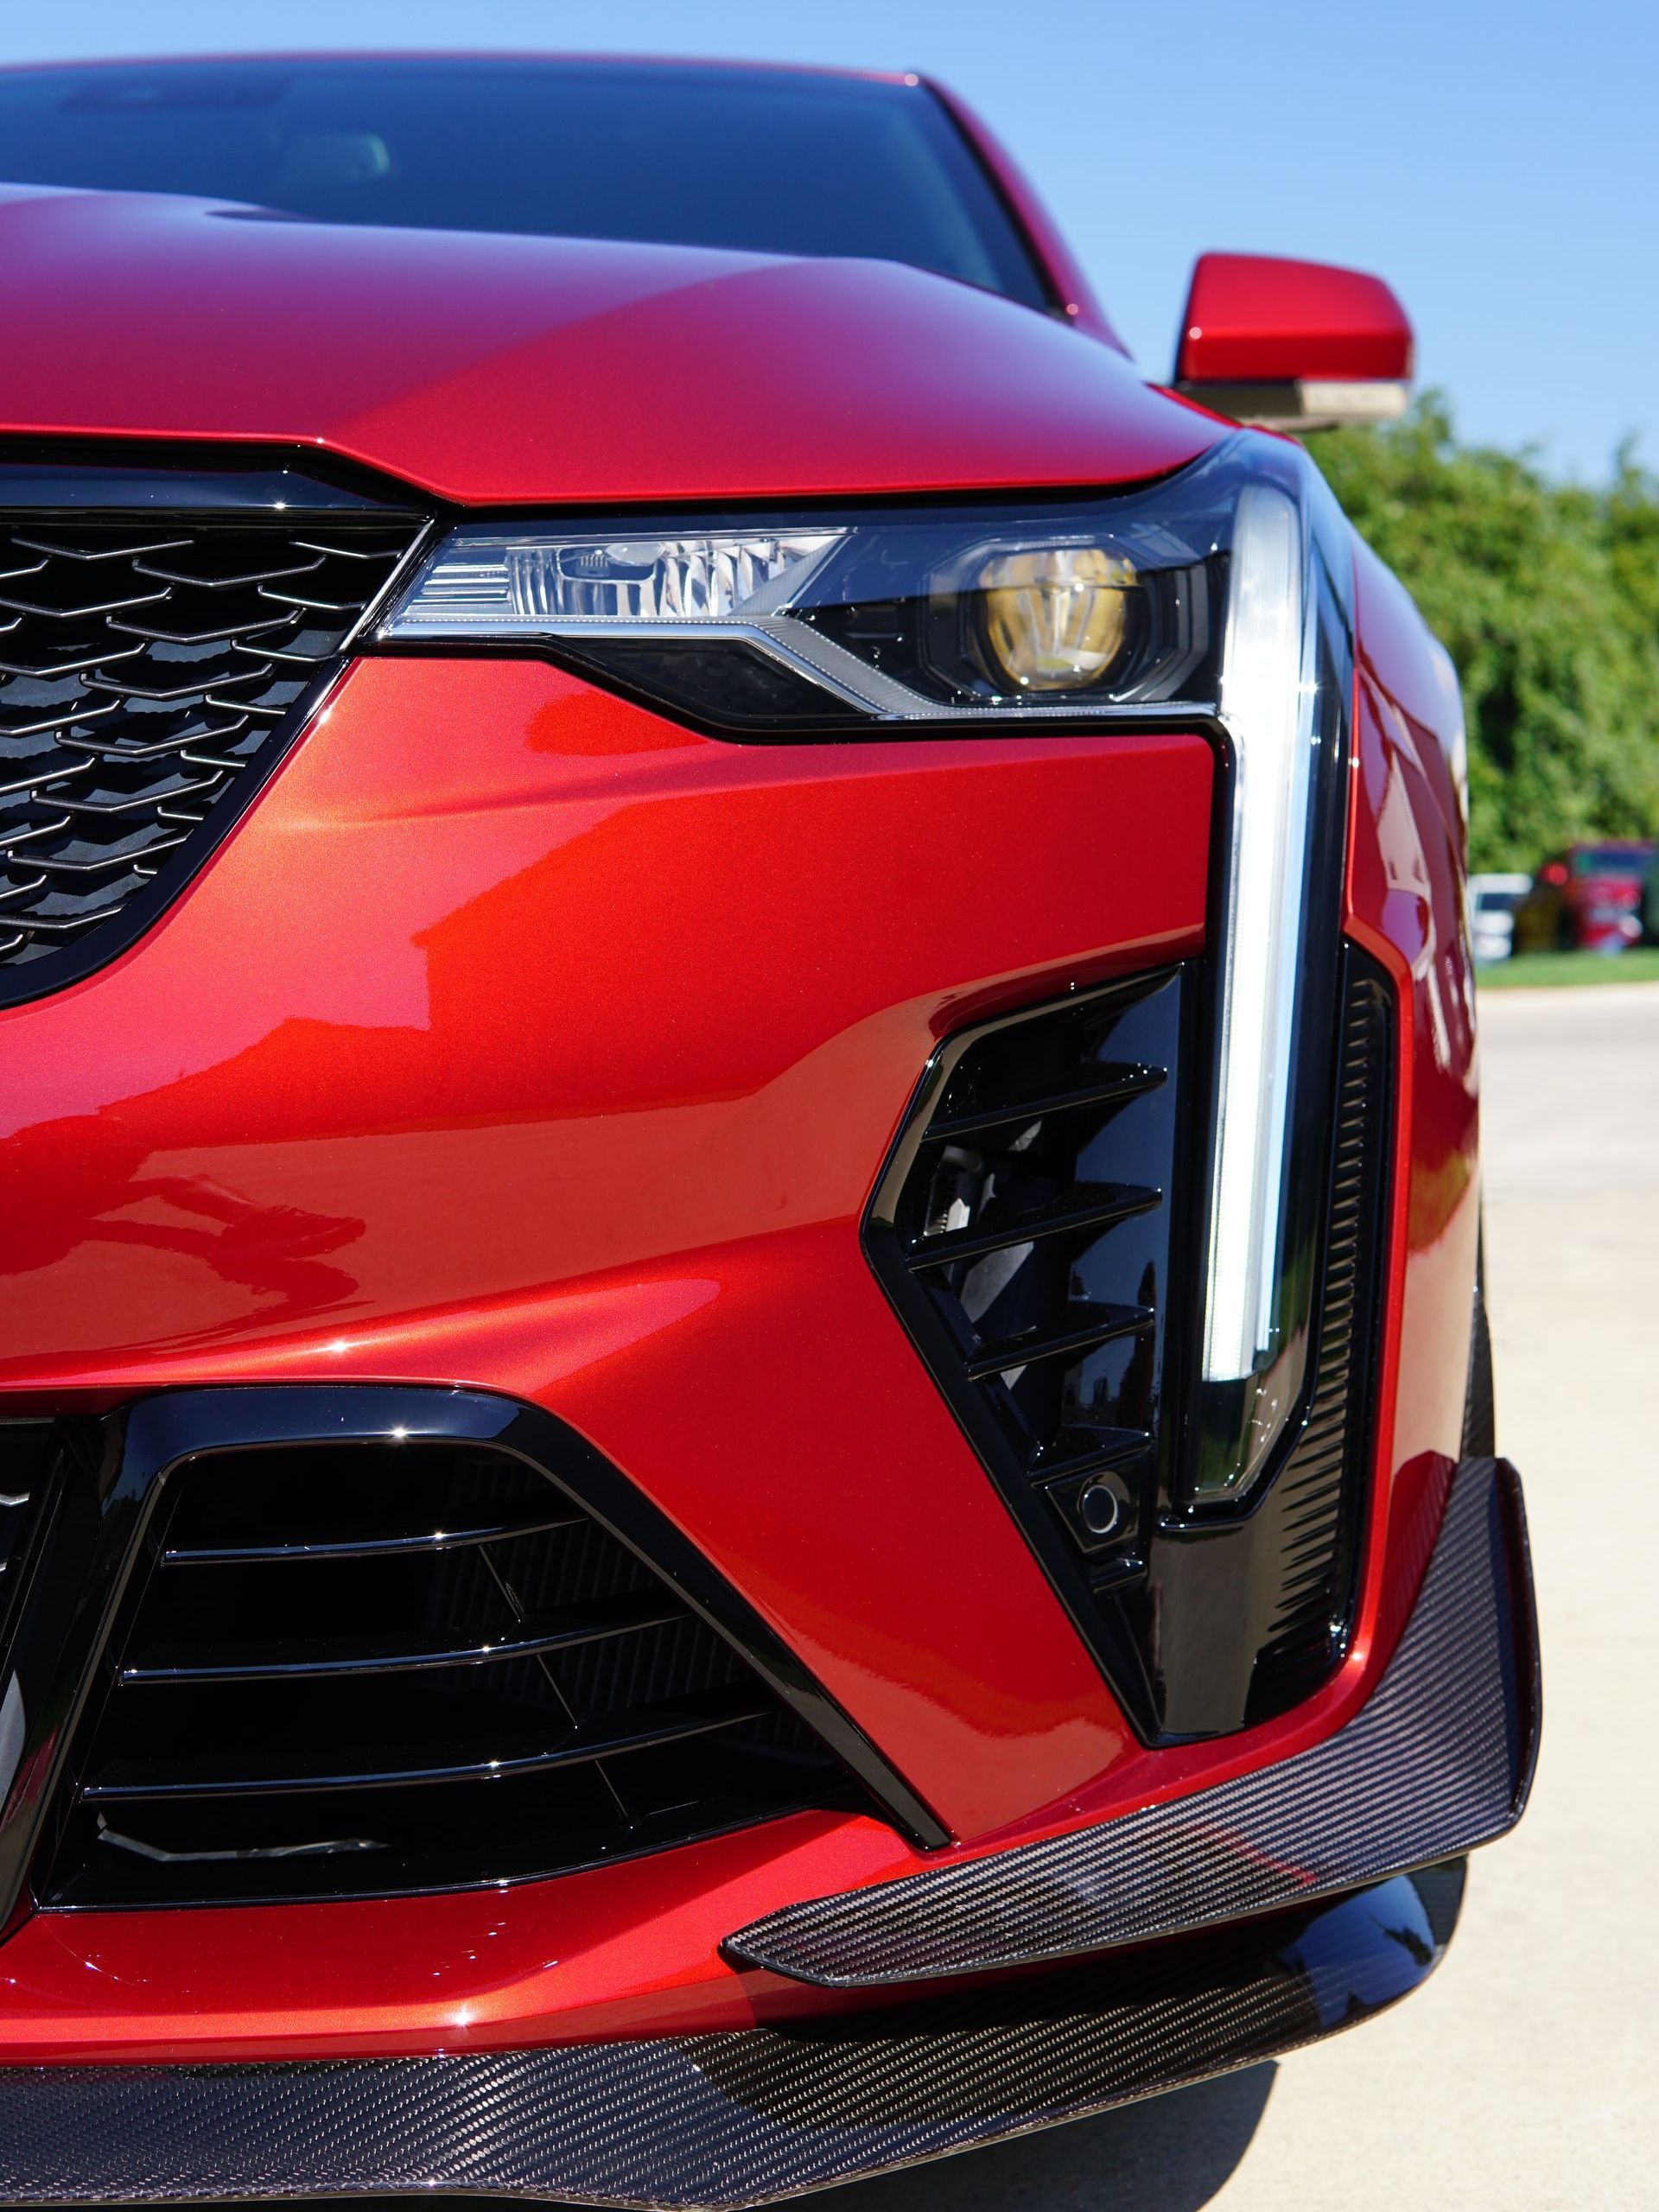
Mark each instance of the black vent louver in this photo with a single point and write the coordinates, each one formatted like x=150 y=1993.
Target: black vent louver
x=153 y=664
x=1314 y=1508
x=1023 y=1230
x=371 y=1668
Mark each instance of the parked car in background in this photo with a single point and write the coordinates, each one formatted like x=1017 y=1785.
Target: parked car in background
x=1649 y=910
x=1586 y=899
x=1492 y=902
x=747 y=1430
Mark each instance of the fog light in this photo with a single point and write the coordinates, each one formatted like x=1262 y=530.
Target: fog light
x=1056 y=620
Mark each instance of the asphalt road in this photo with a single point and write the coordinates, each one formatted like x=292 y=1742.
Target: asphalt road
x=1522 y=2079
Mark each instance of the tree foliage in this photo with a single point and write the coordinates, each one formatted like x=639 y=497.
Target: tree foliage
x=1546 y=596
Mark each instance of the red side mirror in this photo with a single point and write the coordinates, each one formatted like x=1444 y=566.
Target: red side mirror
x=1293 y=345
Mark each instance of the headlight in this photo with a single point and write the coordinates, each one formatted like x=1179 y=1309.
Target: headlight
x=789 y=625
x=1208 y=598
x=1058 y=620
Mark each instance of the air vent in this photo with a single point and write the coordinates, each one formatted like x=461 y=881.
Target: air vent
x=1314 y=1510
x=1023 y=1232
x=367 y=1669
x=149 y=663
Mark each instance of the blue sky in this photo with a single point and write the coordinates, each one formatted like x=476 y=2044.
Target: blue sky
x=1499 y=165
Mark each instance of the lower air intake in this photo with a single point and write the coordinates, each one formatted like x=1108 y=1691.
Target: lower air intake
x=363 y=1668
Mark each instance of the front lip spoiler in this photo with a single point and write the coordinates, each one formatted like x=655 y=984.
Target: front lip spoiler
x=724 y=2120
x=1439 y=1760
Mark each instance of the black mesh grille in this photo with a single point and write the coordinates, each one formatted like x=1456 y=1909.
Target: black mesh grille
x=368 y=1668
x=26 y=1448
x=29 y=1450
x=148 y=662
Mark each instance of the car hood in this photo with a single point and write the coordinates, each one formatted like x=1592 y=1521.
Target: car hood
x=488 y=368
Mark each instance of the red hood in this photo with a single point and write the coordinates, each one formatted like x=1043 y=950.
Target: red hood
x=492 y=369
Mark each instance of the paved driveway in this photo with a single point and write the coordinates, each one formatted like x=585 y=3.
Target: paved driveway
x=1524 y=2078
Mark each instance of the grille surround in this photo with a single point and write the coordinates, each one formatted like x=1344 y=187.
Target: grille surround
x=165 y=633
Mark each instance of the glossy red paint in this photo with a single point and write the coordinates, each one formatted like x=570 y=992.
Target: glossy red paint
x=608 y=1064
x=489 y=1048
x=1250 y=319
x=1405 y=904
x=618 y=1951
x=543 y=379
x=587 y=1188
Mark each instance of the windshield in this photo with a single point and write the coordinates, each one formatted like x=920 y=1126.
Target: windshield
x=764 y=161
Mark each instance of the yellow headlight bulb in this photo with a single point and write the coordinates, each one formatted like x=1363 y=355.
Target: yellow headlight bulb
x=1055 y=620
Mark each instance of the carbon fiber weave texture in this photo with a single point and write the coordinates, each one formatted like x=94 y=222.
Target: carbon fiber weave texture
x=729 y=2119
x=1439 y=1761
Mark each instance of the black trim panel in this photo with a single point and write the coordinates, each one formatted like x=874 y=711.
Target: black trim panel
x=723 y=2120
x=1440 y=1759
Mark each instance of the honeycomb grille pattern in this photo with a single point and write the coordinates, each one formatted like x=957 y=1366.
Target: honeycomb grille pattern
x=147 y=664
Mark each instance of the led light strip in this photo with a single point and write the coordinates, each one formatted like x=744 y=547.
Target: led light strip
x=1266 y=705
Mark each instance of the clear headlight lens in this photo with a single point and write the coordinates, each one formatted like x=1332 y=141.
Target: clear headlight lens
x=775 y=627
x=1200 y=597
x=535 y=586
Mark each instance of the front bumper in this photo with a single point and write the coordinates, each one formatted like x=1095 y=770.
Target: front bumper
x=1338 y=1875
x=728 y=2120
x=580 y=1109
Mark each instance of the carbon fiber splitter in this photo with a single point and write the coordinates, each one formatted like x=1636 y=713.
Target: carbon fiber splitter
x=1439 y=1760
x=723 y=2120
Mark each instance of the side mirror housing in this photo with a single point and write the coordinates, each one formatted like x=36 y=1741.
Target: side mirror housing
x=1293 y=345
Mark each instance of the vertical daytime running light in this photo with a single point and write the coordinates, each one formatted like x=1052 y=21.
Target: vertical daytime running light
x=1265 y=702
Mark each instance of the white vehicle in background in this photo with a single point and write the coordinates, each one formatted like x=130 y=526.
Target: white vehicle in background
x=1492 y=902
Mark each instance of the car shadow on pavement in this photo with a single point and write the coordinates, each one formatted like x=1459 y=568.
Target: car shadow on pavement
x=1165 y=2154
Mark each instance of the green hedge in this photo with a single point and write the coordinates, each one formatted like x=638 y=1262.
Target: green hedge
x=1546 y=596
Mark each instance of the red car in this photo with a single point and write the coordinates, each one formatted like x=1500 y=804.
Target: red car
x=1587 y=898
x=748 y=1427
